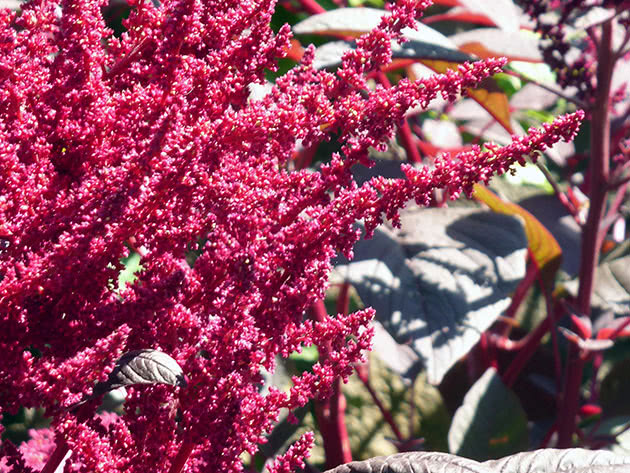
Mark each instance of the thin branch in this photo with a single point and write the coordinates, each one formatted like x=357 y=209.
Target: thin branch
x=564 y=200
x=60 y=452
x=568 y=98
x=384 y=411
x=619 y=183
x=185 y=450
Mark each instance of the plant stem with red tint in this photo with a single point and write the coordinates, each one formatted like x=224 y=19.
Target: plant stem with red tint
x=57 y=456
x=180 y=460
x=591 y=236
x=330 y=412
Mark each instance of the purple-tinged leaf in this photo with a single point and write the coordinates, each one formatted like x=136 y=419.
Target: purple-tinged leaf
x=593 y=16
x=357 y=21
x=413 y=462
x=588 y=344
x=330 y=54
x=615 y=391
x=399 y=358
x=493 y=131
x=10 y=4
x=574 y=460
x=533 y=97
x=612 y=287
x=551 y=460
x=503 y=13
x=143 y=367
x=442 y=133
x=493 y=42
x=491 y=421
x=442 y=281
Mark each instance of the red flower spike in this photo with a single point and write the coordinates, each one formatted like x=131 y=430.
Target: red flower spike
x=151 y=138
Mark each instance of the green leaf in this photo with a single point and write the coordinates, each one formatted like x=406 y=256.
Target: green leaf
x=369 y=433
x=538 y=72
x=490 y=423
x=128 y=275
x=529 y=175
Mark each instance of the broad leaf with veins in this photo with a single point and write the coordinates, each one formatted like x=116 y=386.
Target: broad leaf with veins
x=442 y=281
x=575 y=460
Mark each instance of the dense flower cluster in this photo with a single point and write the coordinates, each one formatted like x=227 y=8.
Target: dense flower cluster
x=570 y=53
x=148 y=143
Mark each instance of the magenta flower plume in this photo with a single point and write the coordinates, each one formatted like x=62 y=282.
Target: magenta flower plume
x=148 y=143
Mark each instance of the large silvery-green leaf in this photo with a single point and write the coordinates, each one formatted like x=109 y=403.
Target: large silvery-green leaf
x=551 y=460
x=491 y=421
x=441 y=280
x=575 y=460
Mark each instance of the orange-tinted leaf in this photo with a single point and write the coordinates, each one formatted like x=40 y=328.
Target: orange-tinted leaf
x=461 y=16
x=446 y=3
x=543 y=247
x=494 y=100
x=619 y=327
x=295 y=50
x=438 y=65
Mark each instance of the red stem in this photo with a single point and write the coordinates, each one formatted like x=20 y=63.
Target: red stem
x=406 y=137
x=518 y=297
x=125 y=61
x=57 y=456
x=570 y=401
x=384 y=411
x=331 y=412
x=553 y=332
x=545 y=441
x=533 y=340
x=331 y=421
x=599 y=168
x=343 y=299
x=409 y=143
x=614 y=206
x=592 y=236
x=487 y=352
x=180 y=460
x=311 y=6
